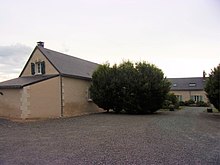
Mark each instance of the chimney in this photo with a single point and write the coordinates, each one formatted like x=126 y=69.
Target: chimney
x=204 y=74
x=40 y=43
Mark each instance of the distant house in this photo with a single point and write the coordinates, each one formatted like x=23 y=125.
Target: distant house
x=51 y=84
x=189 y=88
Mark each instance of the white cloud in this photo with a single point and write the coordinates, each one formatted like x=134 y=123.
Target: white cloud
x=13 y=58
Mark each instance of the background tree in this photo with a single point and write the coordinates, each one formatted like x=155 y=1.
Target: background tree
x=212 y=87
x=152 y=87
x=134 y=88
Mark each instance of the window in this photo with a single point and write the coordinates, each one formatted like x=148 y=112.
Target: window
x=196 y=98
x=174 y=85
x=89 y=95
x=192 y=84
x=38 y=68
x=179 y=97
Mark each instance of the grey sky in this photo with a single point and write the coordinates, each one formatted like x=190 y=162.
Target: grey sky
x=12 y=60
x=180 y=37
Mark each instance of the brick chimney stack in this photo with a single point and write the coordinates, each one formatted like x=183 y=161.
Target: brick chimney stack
x=40 y=43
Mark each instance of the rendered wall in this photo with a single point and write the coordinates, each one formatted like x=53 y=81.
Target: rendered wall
x=186 y=94
x=37 y=55
x=75 y=97
x=44 y=100
x=10 y=103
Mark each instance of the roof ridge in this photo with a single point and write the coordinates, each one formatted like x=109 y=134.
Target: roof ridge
x=68 y=55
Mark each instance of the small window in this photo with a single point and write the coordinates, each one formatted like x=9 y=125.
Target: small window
x=192 y=84
x=38 y=68
x=89 y=95
x=174 y=85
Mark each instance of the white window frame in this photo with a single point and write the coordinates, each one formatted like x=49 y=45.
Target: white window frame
x=89 y=96
x=197 y=98
x=192 y=84
x=38 y=66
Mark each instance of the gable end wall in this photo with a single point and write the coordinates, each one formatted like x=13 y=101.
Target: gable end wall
x=75 y=97
x=36 y=56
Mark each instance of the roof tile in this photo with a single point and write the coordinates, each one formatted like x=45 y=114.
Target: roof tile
x=20 y=82
x=178 y=84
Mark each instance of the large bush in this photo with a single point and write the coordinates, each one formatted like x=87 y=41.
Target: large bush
x=134 y=88
x=212 y=87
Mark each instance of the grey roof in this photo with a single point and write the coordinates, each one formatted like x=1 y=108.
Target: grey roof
x=183 y=83
x=24 y=81
x=68 y=65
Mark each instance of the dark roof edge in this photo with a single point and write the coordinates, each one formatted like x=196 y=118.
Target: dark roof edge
x=75 y=76
x=72 y=56
x=21 y=86
x=186 y=89
x=46 y=78
x=11 y=87
x=27 y=61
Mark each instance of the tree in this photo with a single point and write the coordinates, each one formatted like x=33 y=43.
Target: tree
x=212 y=87
x=134 y=88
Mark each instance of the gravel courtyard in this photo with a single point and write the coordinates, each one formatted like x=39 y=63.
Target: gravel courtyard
x=188 y=136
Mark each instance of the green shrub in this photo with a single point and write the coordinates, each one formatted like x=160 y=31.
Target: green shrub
x=171 y=107
x=135 y=88
x=201 y=104
x=177 y=105
x=181 y=103
x=166 y=104
x=189 y=102
x=171 y=99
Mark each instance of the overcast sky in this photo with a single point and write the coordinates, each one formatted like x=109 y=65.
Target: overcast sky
x=182 y=37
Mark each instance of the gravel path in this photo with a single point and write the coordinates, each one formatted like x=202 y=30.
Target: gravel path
x=188 y=136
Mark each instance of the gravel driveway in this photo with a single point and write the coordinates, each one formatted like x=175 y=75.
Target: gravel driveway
x=188 y=136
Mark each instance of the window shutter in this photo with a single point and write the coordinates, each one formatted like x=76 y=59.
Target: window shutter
x=32 y=68
x=43 y=67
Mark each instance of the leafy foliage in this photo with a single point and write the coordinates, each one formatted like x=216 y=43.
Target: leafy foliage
x=189 y=102
x=201 y=104
x=181 y=103
x=212 y=87
x=171 y=99
x=101 y=88
x=134 y=88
